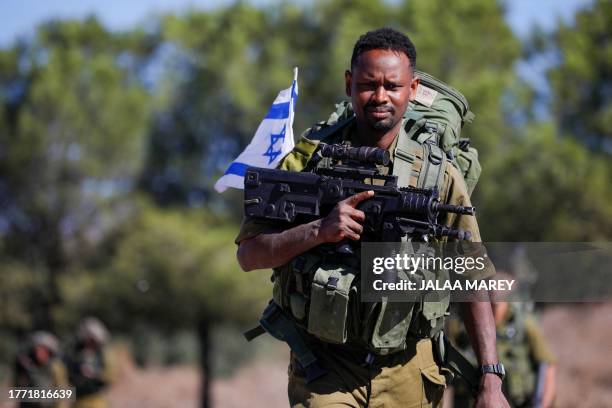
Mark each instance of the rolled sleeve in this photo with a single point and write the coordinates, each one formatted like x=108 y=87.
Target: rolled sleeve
x=455 y=192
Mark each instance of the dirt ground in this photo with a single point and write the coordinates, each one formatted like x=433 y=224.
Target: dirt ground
x=580 y=336
x=261 y=384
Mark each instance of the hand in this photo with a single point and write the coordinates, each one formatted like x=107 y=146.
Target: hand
x=344 y=221
x=491 y=395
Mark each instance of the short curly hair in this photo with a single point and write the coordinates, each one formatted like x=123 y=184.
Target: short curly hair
x=384 y=39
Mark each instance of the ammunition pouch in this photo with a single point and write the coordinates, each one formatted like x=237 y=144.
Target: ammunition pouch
x=332 y=288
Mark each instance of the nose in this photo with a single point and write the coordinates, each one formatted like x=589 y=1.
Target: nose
x=380 y=95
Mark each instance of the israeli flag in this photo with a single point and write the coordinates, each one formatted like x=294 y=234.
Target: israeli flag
x=272 y=141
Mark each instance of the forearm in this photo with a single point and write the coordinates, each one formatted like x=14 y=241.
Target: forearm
x=270 y=250
x=480 y=325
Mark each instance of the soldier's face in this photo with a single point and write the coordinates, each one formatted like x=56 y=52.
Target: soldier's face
x=380 y=87
x=500 y=311
x=41 y=355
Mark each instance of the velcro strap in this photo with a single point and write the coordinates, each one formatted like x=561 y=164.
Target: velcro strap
x=461 y=366
x=405 y=155
x=254 y=332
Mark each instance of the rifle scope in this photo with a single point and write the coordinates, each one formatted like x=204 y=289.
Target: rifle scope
x=364 y=154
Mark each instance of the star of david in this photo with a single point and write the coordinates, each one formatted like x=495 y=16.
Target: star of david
x=274 y=137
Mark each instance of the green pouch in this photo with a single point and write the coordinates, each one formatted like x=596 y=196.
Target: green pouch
x=394 y=318
x=391 y=327
x=329 y=302
x=297 y=303
x=434 y=307
x=468 y=163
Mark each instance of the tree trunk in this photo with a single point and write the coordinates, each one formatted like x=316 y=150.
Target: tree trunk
x=205 y=363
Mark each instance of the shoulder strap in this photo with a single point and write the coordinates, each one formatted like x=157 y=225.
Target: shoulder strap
x=419 y=163
x=456 y=362
x=326 y=131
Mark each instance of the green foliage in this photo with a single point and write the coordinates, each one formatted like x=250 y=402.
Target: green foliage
x=72 y=139
x=582 y=81
x=171 y=269
x=468 y=45
x=545 y=188
x=73 y=134
x=21 y=295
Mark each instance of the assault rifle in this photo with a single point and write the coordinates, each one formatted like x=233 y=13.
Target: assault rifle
x=392 y=212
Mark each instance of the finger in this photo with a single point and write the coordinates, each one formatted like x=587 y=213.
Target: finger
x=348 y=233
x=357 y=215
x=359 y=197
x=354 y=226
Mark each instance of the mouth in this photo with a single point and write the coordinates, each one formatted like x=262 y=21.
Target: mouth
x=379 y=113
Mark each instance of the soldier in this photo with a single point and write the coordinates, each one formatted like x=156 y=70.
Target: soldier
x=40 y=367
x=380 y=84
x=88 y=364
x=522 y=349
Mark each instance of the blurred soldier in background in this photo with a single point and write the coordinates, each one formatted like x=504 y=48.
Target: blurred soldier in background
x=521 y=345
x=522 y=348
x=39 y=366
x=88 y=364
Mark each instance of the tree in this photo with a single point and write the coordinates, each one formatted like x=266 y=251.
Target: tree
x=173 y=269
x=469 y=45
x=547 y=188
x=581 y=82
x=72 y=136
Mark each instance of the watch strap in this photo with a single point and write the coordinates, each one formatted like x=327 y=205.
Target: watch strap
x=497 y=369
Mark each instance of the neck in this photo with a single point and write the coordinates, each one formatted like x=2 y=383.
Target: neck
x=381 y=139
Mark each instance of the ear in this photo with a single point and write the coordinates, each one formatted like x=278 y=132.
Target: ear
x=347 y=82
x=414 y=85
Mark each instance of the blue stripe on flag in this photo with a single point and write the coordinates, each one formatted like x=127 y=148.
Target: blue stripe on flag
x=278 y=111
x=294 y=94
x=237 y=168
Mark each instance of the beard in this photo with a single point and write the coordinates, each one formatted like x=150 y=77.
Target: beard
x=382 y=124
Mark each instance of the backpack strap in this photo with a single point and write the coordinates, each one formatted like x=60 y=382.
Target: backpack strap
x=328 y=130
x=434 y=159
x=453 y=359
x=419 y=161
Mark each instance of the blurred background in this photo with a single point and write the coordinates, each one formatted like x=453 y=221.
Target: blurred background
x=117 y=118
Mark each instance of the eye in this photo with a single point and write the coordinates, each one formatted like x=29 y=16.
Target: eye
x=367 y=84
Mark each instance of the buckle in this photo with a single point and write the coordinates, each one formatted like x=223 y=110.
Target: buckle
x=369 y=360
x=331 y=285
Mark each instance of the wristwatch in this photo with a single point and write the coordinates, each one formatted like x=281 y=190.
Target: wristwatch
x=497 y=369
